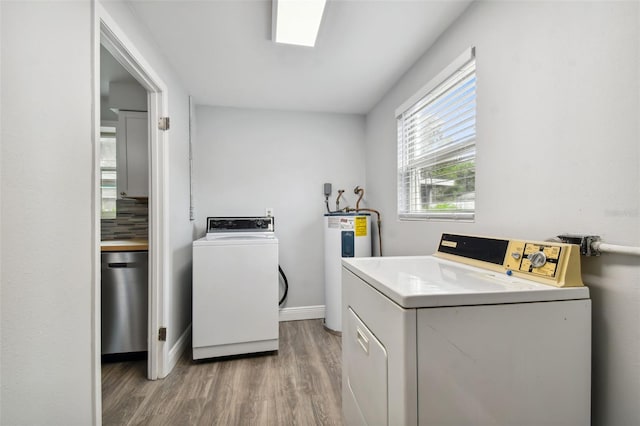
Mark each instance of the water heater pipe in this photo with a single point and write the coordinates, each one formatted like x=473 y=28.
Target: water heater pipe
x=360 y=191
x=600 y=247
x=340 y=191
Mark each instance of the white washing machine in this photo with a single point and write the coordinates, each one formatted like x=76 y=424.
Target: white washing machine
x=485 y=332
x=235 y=288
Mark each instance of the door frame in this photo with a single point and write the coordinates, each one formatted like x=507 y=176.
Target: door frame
x=111 y=36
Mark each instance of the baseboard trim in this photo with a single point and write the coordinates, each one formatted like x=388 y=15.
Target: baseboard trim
x=302 y=313
x=176 y=351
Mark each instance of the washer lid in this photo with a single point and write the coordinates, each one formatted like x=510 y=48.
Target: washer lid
x=428 y=281
x=235 y=238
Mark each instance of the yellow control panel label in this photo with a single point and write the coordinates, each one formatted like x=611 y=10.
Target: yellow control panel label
x=361 y=226
x=549 y=268
x=451 y=244
x=552 y=253
x=531 y=248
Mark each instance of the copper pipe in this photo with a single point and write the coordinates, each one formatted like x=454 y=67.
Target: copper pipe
x=340 y=191
x=360 y=191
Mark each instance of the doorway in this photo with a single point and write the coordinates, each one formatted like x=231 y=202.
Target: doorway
x=124 y=214
x=107 y=34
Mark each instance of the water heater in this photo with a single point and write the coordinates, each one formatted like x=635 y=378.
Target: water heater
x=345 y=235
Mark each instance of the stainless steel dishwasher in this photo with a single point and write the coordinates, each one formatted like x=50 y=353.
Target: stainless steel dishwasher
x=124 y=301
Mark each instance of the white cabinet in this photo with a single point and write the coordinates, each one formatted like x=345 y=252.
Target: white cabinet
x=133 y=154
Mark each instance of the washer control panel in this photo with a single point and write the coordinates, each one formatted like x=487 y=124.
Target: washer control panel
x=239 y=224
x=552 y=263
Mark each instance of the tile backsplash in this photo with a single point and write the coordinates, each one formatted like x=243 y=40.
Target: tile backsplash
x=132 y=221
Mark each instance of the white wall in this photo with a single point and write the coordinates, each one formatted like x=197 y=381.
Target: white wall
x=127 y=96
x=180 y=227
x=122 y=96
x=1 y=387
x=46 y=210
x=247 y=160
x=557 y=151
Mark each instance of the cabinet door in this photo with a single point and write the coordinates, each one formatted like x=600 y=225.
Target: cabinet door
x=133 y=154
x=367 y=370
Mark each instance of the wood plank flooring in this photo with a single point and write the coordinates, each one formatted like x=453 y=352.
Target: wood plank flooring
x=301 y=385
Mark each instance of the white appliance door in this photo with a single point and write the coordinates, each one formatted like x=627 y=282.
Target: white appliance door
x=367 y=371
x=235 y=293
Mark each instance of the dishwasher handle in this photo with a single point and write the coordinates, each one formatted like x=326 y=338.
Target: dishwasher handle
x=118 y=265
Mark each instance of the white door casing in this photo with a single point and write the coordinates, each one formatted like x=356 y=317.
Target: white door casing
x=110 y=35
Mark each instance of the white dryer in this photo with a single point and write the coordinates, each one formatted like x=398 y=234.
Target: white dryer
x=235 y=288
x=485 y=332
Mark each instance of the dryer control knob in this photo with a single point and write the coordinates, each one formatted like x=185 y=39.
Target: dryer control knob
x=537 y=259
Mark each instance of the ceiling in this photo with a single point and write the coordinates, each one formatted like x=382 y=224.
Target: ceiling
x=223 y=53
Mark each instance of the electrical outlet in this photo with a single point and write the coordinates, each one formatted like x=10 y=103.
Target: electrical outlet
x=269 y=212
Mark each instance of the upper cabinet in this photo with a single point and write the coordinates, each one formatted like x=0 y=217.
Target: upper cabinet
x=133 y=154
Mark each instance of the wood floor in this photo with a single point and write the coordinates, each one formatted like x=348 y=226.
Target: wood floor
x=301 y=385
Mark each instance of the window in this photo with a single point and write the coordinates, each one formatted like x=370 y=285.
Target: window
x=437 y=146
x=108 y=157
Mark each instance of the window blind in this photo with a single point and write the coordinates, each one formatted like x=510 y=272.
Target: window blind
x=437 y=146
x=108 y=172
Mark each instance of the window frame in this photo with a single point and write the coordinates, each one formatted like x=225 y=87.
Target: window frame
x=466 y=215
x=103 y=126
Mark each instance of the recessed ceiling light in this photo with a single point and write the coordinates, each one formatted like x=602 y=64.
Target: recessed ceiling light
x=297 y=21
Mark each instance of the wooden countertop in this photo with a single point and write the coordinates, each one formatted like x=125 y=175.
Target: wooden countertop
x=125 y=245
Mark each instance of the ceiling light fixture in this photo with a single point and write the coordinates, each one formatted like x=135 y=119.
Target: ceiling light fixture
x=297 y=21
